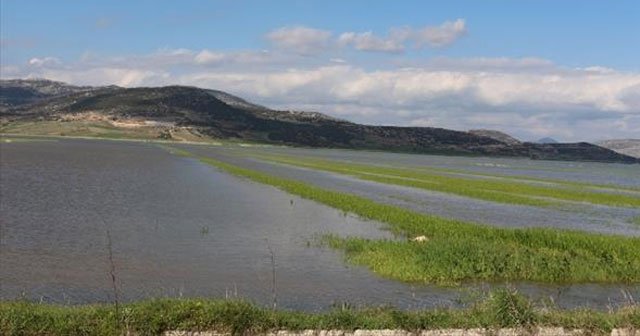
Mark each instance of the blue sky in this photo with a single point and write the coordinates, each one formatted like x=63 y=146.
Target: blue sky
x=339 y=56
x=574 y=33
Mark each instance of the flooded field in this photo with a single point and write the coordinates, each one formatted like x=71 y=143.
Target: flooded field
x=587 y=217
x=182 y=228
x=592 y=172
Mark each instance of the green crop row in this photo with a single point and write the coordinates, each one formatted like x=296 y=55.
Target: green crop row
x=495 y=190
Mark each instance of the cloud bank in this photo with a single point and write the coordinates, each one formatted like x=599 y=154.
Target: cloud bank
x=300 y=39
x=528 y=97
x=308 y=41
x=442 y=35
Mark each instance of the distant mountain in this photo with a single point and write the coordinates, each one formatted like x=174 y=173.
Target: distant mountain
x=166 y=111
x=496 y=135
x=630 y=147
x=547 y=140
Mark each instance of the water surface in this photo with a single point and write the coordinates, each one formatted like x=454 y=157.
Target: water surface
x=182 y=228
x=583 y=216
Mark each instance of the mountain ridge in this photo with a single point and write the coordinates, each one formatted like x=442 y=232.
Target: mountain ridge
x=217 y=114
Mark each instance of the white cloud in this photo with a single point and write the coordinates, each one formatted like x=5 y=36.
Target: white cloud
x=300 y=39
x=567 y=104
x=309 y=41
x=369 y=42
x=187 y=59
x=529 y=97
x=126 y=77
x=10 y=71
x=209 y=57
x=44 y=61
x=441 y=35
x=526 y=64
x=599 y=69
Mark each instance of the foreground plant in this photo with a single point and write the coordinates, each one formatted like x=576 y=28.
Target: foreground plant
x=503 y=308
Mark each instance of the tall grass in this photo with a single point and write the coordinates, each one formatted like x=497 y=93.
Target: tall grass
x=152 y=317
x=458 y=251
x=496 y=190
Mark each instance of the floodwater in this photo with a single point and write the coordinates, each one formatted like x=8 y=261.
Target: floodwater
x=586 y=217
x=178 y=228
x=589 y=172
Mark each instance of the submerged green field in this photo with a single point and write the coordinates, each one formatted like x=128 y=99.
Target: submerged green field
x=455 y=251
x=497 y=310
x=507 y=190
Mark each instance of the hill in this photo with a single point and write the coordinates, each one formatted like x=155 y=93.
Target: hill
x=497 y=135
x=190 y=113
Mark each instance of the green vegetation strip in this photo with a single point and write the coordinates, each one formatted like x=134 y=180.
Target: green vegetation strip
x=456 y=251
x=476 y=174
x=528 y=179
x=502 y=191
x=497 y=310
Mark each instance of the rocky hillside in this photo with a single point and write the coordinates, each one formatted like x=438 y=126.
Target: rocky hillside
x=629 y=147
x=216 y=114
x=497 y=135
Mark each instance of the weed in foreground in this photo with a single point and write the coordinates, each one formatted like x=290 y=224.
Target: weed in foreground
x=502 y=308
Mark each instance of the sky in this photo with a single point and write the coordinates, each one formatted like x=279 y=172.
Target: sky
x=567 y=69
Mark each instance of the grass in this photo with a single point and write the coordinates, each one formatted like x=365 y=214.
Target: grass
x=503 y=308
x=495 y=190
x=458 y=251
x=635 y=220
